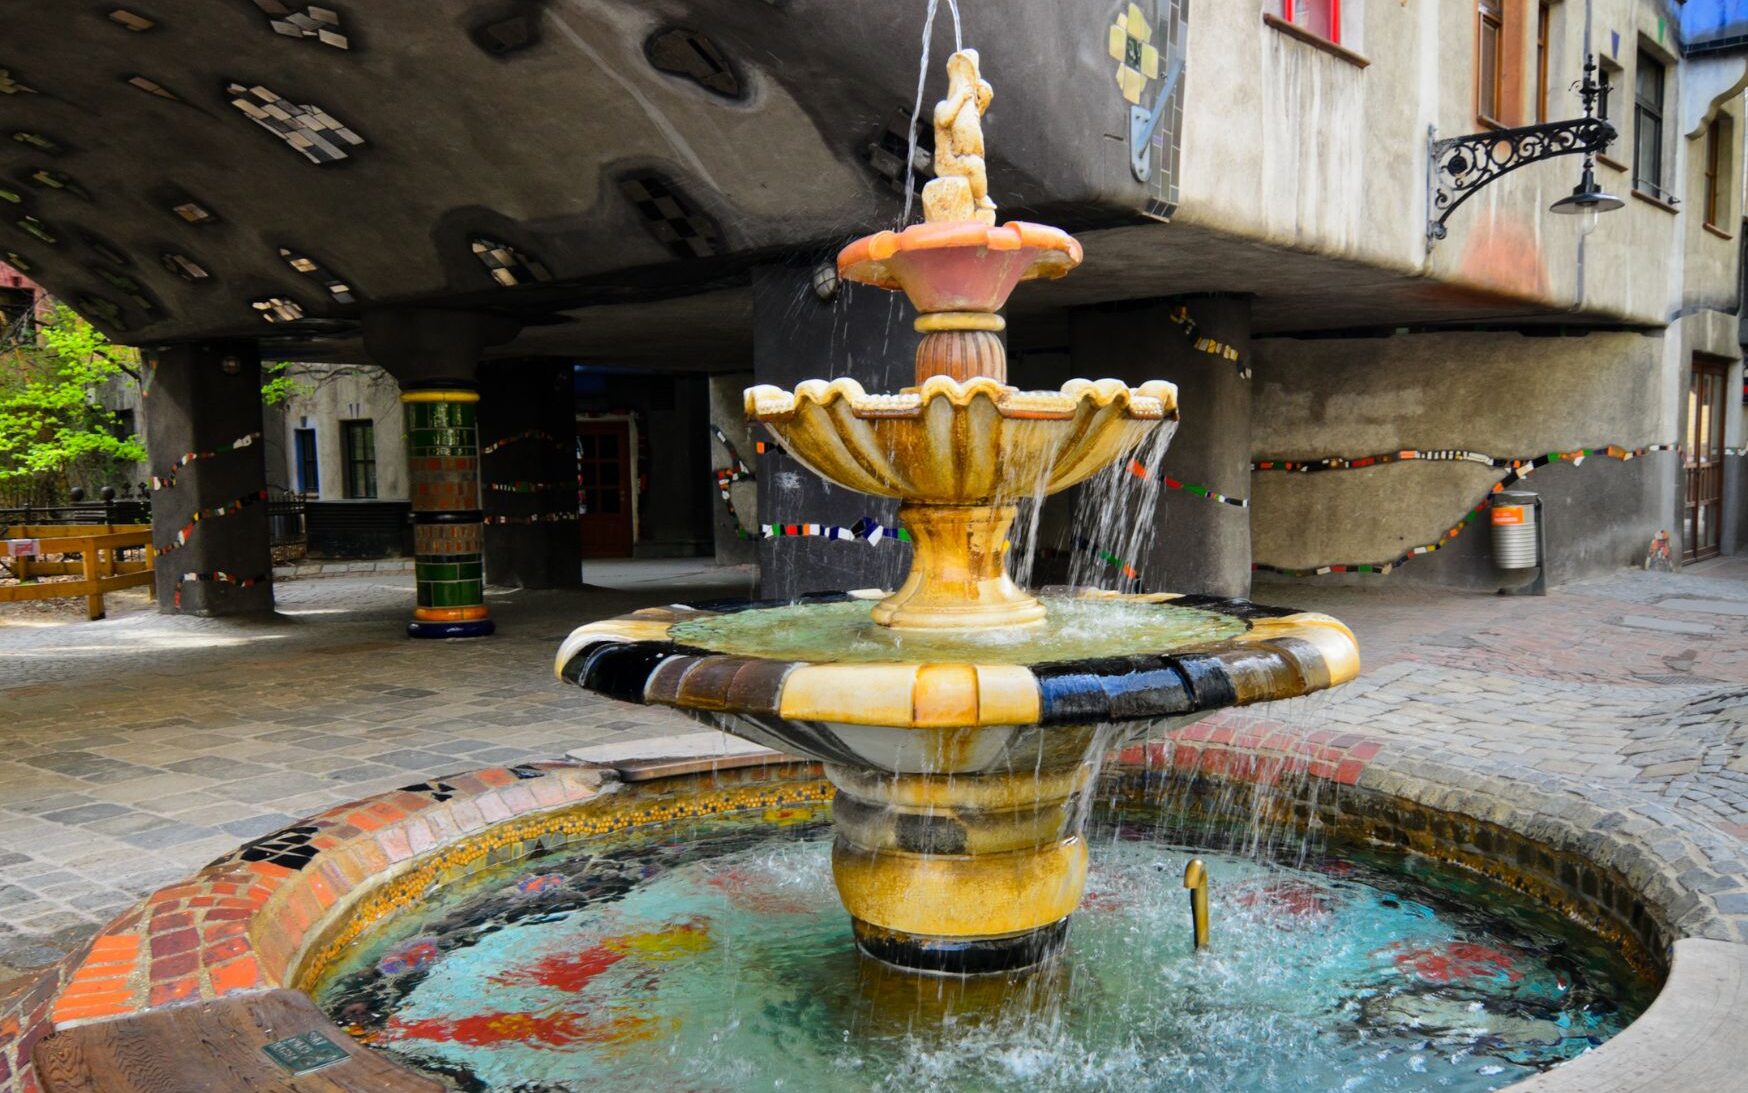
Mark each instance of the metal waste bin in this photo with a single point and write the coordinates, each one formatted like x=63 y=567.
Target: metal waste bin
x=1515 y=539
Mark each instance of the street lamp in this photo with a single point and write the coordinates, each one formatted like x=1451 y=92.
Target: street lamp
x=1457 y=167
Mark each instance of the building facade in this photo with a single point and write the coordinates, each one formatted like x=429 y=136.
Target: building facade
x=1257 y=185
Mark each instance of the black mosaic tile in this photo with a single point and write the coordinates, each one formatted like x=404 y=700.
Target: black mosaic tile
x=621 y=669
x=1210 y=687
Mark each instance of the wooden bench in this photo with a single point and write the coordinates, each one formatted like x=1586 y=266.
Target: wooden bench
x=99 y=568
x=214 y=1047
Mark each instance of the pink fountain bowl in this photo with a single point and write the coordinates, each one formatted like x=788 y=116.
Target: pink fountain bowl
x=959 y=266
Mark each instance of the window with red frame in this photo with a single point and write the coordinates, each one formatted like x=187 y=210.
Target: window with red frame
x=1319 y=17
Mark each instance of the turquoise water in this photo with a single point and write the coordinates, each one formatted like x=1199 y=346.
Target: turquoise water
x=716 y=957
x=1074 y=629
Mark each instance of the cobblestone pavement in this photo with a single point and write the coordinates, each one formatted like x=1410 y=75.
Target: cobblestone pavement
x=134 y=750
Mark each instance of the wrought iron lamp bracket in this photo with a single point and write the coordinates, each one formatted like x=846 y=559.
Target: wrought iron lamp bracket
x=1457 y=167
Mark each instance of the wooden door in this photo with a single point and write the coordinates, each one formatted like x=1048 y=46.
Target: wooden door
x=1704 y=460
x=604 y=488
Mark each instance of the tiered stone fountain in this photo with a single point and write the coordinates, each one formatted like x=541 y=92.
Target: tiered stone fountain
x=960 y=718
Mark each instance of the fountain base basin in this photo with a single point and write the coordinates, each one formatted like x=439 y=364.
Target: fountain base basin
x=957 y=873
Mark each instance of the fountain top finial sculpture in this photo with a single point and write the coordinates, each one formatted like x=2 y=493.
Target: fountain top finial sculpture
x=960 y=190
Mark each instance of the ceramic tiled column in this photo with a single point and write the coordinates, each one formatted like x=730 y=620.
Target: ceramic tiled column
x=448 y=524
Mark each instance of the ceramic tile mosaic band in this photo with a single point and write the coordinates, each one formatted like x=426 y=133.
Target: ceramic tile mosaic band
x=867 y=528
x=215 y=577
x=448 y=527
x=1520 y=469
x=1456 y=455
x=1181 y=316
x=228 y=508
x=737 y=471
x=1140 y=470
x=168 y=478
x=531 y=434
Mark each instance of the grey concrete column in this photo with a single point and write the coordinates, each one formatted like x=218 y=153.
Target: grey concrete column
x=728 y=529
x=864 y=333
x=209 y=514
x=530 y=481
x=1201 y=546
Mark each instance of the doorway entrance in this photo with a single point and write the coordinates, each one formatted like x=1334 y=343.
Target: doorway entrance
x=1704 y=460
x=604 y=488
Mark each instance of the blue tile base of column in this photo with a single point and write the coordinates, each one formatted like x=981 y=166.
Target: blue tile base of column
x=472 y=628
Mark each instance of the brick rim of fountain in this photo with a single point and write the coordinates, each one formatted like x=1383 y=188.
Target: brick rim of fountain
x=251 y=921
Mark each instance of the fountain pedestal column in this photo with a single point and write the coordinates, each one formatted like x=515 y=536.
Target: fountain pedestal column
x=960 y=873
x=958 y=578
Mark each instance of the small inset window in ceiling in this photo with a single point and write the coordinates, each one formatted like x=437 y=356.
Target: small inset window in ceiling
x=96 y=307
x=105 y=250
x=33 y=226
x=886 y=152
x=38 y=141
x=504 y=36
x=184 y=267
x=19 y=262
x=674 y=221
x=132 y=289
x=309 y=267
x=277 y=309
x=689 y=54
x=131 y=20
x=8 y=194
x=154 y=87
x=308 y=21
x=309 y=129
x=58 y=180
x=507 y=265
x=10 y=85
x=194 y=212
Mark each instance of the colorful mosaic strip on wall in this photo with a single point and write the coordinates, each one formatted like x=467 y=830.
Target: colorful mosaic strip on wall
x=1140 y=470
x=726 y=477
x=535 y=518
x=215 y=577
x=867 y=529
x=168 y=478
x=1519 y=470
x=1457 y=455
x=229 y=508
x=531 y=434
x=1181 y=316
x=448 y=525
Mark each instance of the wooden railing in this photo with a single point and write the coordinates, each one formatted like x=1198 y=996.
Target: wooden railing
x=27 y=550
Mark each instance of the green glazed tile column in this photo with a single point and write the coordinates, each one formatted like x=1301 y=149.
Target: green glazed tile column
x=448 y=524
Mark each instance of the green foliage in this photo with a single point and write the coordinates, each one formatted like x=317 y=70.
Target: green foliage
x=52 y=431
x=277 y=387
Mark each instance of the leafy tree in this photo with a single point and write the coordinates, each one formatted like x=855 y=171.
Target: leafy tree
x=52 y=431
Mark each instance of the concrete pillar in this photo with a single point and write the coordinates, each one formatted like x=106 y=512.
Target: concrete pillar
x=730 y=527
x=1201 y=546
x=435 y=357
x=209 y=507
x=864 y=333
x=528 y=462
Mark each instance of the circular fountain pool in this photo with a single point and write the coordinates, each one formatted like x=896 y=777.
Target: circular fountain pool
x=713 y=955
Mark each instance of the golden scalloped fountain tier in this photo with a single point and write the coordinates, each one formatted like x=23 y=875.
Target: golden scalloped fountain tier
x=960 y=454
x=960 y=717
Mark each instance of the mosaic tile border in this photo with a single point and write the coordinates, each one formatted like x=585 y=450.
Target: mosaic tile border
x=1283 y=653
